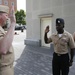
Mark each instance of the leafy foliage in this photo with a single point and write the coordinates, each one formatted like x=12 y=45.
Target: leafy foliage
x=20 y=17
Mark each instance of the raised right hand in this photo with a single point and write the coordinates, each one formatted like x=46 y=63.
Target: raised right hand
x=47 y=29
x=12 y=15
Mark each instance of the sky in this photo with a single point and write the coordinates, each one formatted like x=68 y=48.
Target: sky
x=21 y=4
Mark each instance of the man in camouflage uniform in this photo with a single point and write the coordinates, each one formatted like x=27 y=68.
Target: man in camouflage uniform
x=62 y=41
x=6 y=49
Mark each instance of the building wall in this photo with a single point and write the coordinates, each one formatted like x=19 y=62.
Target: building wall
x=59 y=8
x=9 y=3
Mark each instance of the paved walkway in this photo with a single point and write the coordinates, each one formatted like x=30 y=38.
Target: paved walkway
x=36 y=61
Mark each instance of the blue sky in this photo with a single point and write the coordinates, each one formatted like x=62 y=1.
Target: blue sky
x=21 y=4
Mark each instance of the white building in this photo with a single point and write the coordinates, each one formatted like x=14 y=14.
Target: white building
x=40 y=13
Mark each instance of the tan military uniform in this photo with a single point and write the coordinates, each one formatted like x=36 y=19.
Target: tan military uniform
x=61 y=44
x=6 y=61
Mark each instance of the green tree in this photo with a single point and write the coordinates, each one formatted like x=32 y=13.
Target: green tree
x=20 y=17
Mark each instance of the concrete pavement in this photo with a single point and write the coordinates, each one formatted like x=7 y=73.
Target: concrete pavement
x=32 y=60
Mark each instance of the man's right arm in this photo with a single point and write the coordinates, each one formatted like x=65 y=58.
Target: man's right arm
x=45 y=38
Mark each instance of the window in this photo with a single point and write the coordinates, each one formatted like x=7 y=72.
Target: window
x=5 y=2
x=12 y=3
x=0 y=1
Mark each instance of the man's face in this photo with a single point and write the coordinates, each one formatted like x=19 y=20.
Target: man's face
x=59 y=27
x=3 y=18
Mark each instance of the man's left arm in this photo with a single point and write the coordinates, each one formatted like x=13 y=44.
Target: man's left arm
x=71 y=56
x=72 y=49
